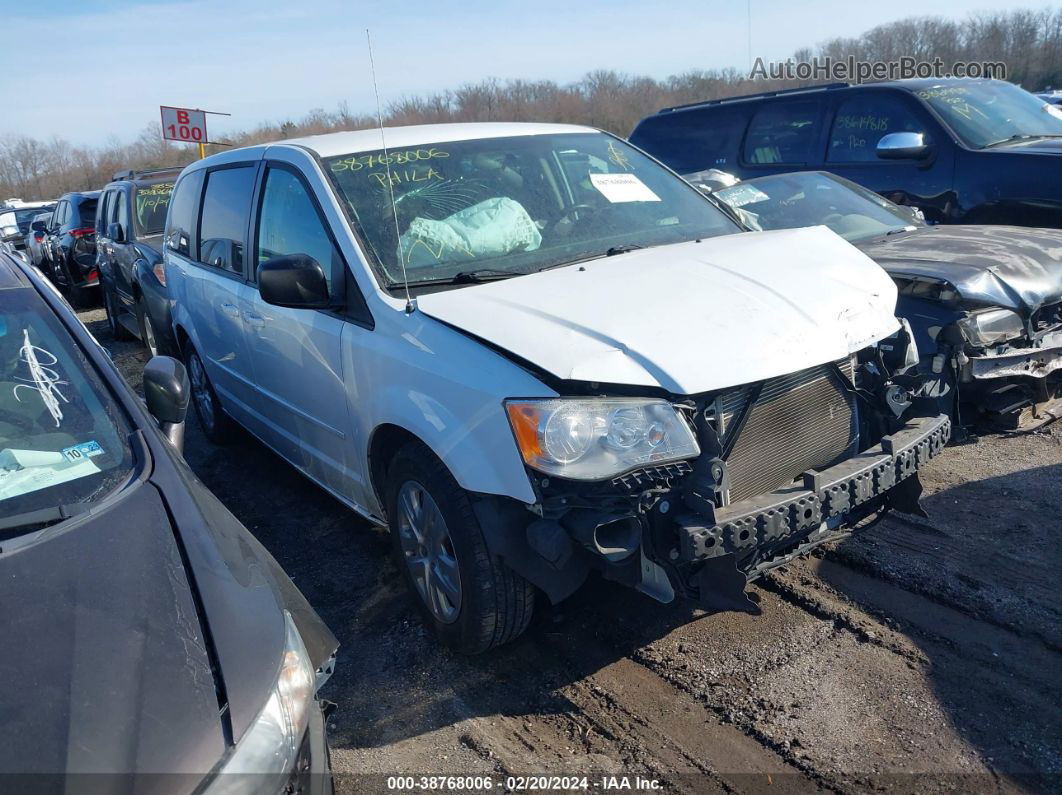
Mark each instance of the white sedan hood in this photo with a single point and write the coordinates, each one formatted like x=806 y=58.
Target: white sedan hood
x=690 y=317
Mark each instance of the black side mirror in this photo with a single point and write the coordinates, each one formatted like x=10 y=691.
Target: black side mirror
x=296 y=281
x=166 y=391
x=115 y=232
x=39 y=226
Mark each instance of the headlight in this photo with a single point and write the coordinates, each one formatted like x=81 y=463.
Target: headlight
x=597 y=438
x=270 y=747
x=992 y=326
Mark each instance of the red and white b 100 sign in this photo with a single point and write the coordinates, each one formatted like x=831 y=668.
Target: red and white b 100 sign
x=184 y=124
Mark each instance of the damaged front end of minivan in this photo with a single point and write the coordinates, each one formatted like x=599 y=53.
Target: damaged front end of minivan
x=727 y=484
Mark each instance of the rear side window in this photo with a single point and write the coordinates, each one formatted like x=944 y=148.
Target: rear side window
x=223 y=219
x=862 y=121
x=289 y=224
x=180 y=222
x=782 y=132
x=87 y=212
x=692 y=140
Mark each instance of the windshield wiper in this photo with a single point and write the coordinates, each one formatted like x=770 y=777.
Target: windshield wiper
x=464 y=277
x=1015 y=138
x=609 y=252
x=11 y=526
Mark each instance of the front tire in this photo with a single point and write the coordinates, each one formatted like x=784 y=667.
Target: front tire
x=148 y=335
x=216 y=424
x=471 y=600
x=110 y=308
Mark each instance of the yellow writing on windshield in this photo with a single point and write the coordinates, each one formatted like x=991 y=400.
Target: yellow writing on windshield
x=401 y=177
x=436 y=252
x=397 y=158
x=953 y=97
x=618 y=157
x=162 y=189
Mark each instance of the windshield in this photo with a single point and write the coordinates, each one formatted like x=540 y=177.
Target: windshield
x=151 y=202
x=809 y=199
x=983 y=114
x=23 y=218
x=515 y=205
x=62 y=440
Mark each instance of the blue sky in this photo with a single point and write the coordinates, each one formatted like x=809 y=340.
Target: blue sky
x=269 y=60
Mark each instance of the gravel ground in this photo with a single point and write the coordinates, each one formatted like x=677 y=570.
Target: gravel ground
x=919 y=656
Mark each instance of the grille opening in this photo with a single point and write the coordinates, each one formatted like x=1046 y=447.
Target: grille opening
x=801 y=421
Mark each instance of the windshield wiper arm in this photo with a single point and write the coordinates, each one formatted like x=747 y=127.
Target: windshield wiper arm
x=614 y=250
x=609 y=252
x=1015 y=138
x=39 y=519
x=463 y=277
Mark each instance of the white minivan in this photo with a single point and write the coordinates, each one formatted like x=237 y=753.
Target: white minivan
x=532 y=351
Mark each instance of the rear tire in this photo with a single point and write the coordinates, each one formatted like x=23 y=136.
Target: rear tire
x=80 y=297
x=216 y=424
x=487 y=604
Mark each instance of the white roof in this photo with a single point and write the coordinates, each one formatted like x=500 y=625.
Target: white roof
x=343 y=143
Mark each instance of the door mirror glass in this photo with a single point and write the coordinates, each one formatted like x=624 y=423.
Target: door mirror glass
x=39 y=226
x=903 y=146
x=115 y=232
x=296 y=281
x=166 y=392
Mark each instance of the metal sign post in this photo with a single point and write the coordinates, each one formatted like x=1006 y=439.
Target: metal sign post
x=187 y=125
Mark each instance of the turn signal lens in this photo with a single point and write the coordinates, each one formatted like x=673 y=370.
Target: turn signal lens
x=524 y=417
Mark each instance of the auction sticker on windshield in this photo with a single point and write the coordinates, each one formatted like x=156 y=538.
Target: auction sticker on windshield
x=23 y=471
x=618 y=188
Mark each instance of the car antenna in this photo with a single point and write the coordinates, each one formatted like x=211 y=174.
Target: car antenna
x=410 y=306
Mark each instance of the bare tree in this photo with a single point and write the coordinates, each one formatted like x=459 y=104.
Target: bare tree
x=1029 y=42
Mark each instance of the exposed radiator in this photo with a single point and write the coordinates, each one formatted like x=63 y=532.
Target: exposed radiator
x=800 y=421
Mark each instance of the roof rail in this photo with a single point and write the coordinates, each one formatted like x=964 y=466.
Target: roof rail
x=146 y=172
x=780 y=92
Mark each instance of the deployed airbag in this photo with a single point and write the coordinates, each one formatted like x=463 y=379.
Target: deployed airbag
x=489 y=229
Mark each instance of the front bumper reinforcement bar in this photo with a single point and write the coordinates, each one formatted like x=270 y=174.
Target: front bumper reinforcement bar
x=827 y=495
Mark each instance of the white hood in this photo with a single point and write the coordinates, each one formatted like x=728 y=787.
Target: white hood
x=691 y=317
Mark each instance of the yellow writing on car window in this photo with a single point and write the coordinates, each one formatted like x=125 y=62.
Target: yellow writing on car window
x=403 y=176
x=618 y=157
x=397 y=158
x=162 y=189
x=437 y=252
x=151 y=202
x=865 y=122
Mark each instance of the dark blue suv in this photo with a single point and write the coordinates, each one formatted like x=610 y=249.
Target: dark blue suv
x=964 y=151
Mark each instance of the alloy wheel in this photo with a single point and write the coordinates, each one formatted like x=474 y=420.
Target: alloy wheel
x=428 y=552
x=204 y=403
x=149 y=336
x=112 y=314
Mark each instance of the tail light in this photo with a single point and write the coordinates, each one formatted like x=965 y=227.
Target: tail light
x=88 y=230
x=160 y=273
x=38 y=236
